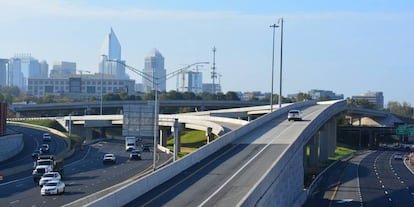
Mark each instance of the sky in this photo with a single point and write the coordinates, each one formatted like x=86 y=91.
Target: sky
x=347 y=46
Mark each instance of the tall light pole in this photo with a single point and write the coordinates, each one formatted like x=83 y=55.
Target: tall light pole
x=281 y=60
x=103 y=66
x=273 y=66
x=156 y=81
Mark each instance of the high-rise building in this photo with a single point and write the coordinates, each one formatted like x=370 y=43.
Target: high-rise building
x=44 y=69
x=14 y=73
x=21 y=68
x=111 y=57
x=190 y=81
x=63 y=69
x=155 y=71
x=3 y=71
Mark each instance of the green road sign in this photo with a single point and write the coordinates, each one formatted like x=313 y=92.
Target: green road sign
x=401 y=130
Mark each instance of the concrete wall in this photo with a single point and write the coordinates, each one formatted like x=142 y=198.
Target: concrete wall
x=10 y=146
x=145 y=184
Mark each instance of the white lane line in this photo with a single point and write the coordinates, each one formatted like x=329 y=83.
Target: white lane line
x=240 y=169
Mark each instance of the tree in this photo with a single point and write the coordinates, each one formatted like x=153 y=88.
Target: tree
x=404 y=110
x=360 y=103
x=232 y=96
x=303 y=96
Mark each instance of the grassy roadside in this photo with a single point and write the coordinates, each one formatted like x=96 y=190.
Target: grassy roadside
x=340 y=152
x=190 y=141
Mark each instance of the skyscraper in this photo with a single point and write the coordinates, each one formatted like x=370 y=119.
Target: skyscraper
x=110 y=54
x=154 y=68
x=21 y=68
x=3 y=70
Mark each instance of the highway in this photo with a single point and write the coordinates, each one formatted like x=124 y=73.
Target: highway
x=85 y=173
x=224 y=178
x=371 y=179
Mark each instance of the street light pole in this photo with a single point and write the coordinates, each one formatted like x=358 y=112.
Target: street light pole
x=281 y=60
x=273 y=66
x=155 y=122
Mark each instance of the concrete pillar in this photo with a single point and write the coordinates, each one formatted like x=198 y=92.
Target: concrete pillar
x=323 y=144
x=209 y=134
x=177 y=139
x=165 y=132
x=313 y=150
x=332 y=136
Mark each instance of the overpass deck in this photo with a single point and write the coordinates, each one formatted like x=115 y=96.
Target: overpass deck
x=226 y=177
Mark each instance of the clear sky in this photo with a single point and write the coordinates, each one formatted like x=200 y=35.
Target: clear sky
x=347 y=46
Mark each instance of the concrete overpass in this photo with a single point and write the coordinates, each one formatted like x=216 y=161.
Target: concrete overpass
x=283 y=181
x=321 y=127
x=200 y=105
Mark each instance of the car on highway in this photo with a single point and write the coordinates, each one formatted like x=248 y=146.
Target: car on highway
x=145 y=147
x=109 y=158
x=53 y=187
x=47 y=137
x=47 y=177
x=44 y=148
x=295 y=115
x=135 y=155
x=398 y=156
x=36 y=154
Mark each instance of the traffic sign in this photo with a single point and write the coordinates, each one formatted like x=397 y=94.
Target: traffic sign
x=401 y=130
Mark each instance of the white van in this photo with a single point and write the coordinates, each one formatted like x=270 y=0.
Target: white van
x=130 y=143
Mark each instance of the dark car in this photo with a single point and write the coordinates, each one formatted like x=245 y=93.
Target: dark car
x=36 y=154
x=47 y=137
x=135 y=155
x=145 y=147
x=44 y=148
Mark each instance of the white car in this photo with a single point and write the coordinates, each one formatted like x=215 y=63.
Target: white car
x=53 y=187
x=109 y=158
x=48 y=177
x=295 y=115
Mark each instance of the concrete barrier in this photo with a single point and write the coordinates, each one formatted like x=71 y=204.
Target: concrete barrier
x=10 y=145
x=128 y=193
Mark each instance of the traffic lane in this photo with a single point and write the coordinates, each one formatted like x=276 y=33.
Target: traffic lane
x=346 y=190
x=380 y=185
x=21 y=165
x=184 y=181
x=236 y=187
x=395 y=187
x=79 y=182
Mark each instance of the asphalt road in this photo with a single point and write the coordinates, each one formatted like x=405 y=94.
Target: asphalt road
x=225 y=177
x=372 y=179
x=85 y=173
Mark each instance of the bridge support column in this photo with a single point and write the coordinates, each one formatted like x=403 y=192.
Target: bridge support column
x=165 y=132
x=332 y=136
x=323 y=144
x=82 y=131
x=313 y=150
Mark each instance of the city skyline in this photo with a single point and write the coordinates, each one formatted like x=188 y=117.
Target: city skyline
x=349 y=48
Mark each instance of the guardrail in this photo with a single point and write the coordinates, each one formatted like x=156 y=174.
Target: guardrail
x=143 y=185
